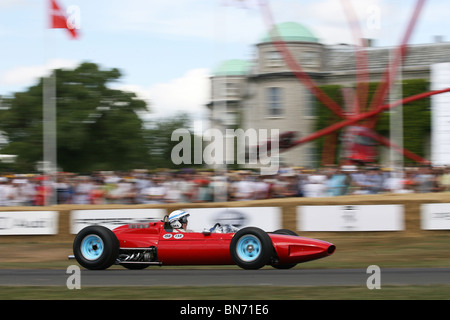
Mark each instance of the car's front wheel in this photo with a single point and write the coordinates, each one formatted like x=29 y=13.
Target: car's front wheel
x=96 y=247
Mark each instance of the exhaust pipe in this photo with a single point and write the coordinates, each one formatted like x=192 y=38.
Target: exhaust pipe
x=331 y=249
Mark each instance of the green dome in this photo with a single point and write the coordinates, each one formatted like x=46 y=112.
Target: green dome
x=234 y=67
x=292 y=31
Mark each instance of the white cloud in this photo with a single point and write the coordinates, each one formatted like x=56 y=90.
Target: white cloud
x=26 y=75
x=188 y=93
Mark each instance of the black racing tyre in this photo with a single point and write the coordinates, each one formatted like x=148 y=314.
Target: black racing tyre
x=96 y=247
x=251 y=248
x=134 y=266
x=286 y=232
x=289 y=233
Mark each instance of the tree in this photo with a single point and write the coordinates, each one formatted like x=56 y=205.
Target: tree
x=160 y=145
x=98 y=127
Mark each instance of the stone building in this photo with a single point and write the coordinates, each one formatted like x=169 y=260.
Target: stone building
x=266 y=94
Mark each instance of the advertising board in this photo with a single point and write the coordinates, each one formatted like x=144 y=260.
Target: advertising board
x=435 y=216
x=112 y=218
x=266 y=218
x=28 y=222
x=351 y=218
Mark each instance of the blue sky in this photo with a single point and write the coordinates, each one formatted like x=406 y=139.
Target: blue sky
x=167 y=49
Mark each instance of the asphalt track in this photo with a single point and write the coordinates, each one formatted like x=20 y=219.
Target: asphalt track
x=225 y=277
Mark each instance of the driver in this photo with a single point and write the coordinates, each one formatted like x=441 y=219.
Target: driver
x=178 y=220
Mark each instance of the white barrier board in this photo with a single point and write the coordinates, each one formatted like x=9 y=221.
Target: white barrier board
x=112 y=218
x=28 y=222
x=351 y=218
x=435 y=216
x=266 y=218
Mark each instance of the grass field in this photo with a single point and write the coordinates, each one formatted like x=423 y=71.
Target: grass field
x=228 y=293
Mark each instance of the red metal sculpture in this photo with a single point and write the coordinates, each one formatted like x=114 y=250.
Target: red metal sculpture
x=366 y=113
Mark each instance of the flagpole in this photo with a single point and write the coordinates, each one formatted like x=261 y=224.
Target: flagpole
x=49 y=135
x=57 y=19
x=49 y=144
x=220 y=104
x=396 y=116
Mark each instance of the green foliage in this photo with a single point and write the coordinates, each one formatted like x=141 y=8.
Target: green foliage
x=416 y=119
x=325 y=117
x=159 y=143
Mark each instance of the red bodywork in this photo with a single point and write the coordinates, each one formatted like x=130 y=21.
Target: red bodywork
x=196 y=248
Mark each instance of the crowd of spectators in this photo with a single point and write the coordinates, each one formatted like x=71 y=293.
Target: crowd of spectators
x=189 y=185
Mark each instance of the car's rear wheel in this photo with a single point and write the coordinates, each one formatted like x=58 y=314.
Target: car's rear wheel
x=286 y=265
x=134 y=266
x=251 y=248
x=286 y=232
x=96 y=248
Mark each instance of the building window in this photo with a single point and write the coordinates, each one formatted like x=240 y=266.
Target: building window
x=231 y=89
x=224 y=90
x=309 y=58
x=274 y=101
x=274 y=59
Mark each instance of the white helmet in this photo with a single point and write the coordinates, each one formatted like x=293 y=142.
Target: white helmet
x=177 y=218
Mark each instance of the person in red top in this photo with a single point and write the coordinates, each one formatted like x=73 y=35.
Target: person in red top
x=43 y=192
x=97 y=194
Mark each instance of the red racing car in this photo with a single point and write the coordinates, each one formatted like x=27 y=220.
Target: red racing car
x=136 y=246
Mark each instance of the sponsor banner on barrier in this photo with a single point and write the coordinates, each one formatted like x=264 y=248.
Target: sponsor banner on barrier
x=351 y=218
x=28 y=222
x=435 y=216
x=266 y=218
x=112 y=218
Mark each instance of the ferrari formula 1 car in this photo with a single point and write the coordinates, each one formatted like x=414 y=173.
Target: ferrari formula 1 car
x=136 y=246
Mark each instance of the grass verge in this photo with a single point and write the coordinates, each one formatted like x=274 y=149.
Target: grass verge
x=227 y=293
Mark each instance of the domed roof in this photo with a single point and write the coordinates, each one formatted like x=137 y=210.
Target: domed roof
x=291 y=31
x=233 y=67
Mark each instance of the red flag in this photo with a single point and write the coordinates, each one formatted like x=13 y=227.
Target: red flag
x=58 y=19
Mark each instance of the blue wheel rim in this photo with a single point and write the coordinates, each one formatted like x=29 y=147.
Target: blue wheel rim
x=92 y=247
x=248 y=248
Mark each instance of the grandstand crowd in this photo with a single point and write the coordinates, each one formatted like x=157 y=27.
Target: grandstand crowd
x=189 y=185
